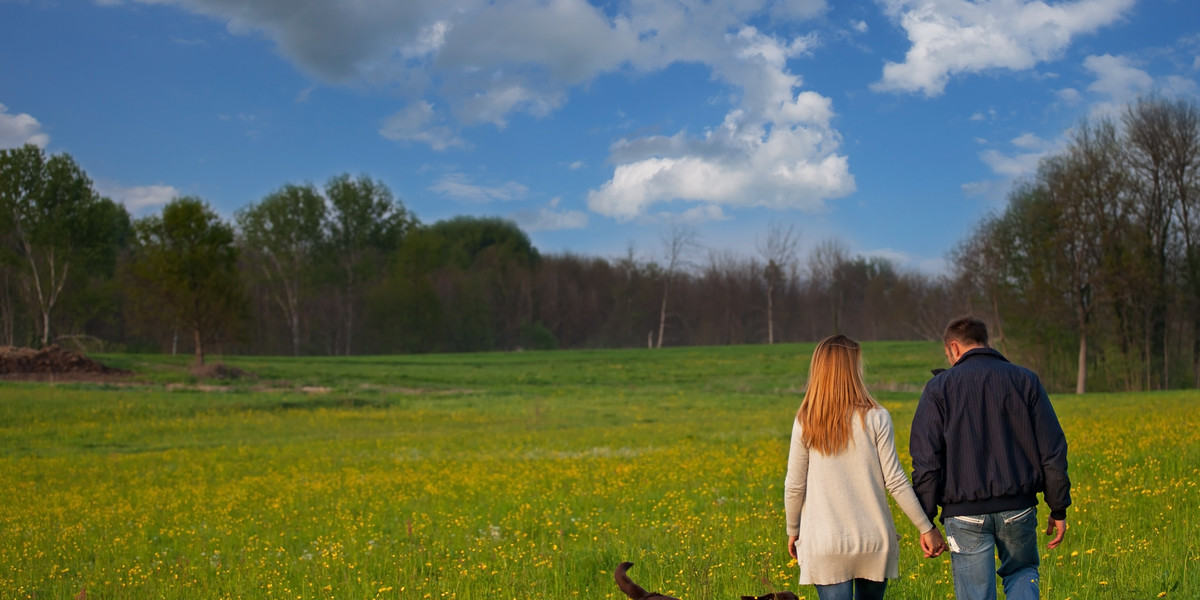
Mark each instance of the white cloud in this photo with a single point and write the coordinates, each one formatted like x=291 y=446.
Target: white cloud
x=776 y=149
x=305 y=94
x=1069 y=96
x=952 y=37
x=859 y=26
x=575 y=166
x=1116 y=77
x=1196 y=63
x=548 y=218
x=1024 y=161
x=138 y=198
x=417 y=123
x=992 y=191
x=1029 y=141
x=1012 y=165
x=1177 y=86
x=460 y=187
x=483 y=59
x=896 y=257
x=20 y=129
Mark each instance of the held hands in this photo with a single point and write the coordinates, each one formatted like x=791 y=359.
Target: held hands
x=1057 y=528
x=932 y=544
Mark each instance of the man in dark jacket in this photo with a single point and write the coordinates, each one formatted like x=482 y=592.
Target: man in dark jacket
x=985 y=441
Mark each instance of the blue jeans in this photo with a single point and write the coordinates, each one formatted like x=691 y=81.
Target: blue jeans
x=974 y=542
x=855 y=589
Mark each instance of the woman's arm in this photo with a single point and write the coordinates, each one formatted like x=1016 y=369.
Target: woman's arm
x=795 y=485
x=893 y=474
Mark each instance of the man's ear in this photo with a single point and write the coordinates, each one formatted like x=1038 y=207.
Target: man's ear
x=954 y=350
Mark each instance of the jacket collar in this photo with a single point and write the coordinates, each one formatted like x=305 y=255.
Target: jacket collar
x=984 y=351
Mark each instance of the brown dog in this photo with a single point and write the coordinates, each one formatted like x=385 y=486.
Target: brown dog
x=636 y=592
x=633 y=590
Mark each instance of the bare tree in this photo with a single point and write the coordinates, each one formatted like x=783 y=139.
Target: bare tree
x=779 y=252
x=1086 y=183
x=826 y=265
x=1148 y=124
x=1182 y=167
x=678 y=241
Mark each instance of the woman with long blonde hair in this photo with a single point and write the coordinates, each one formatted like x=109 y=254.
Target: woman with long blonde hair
x=841 y=466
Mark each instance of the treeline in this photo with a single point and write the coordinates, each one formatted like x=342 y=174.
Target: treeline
x=1092 y=272
x=1090 y=275
x=346 y=269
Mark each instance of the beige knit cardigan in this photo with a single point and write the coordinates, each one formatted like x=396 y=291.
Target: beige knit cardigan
x=837 y=504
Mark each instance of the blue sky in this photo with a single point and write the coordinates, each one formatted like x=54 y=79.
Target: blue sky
x=890 y=125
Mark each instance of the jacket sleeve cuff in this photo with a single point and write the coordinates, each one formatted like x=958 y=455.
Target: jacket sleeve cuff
x=1059 y=514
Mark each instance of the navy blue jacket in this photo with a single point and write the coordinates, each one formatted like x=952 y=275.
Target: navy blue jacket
x=985 y=439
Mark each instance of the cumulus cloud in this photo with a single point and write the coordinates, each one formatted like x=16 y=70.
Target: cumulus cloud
x=459 y=63
x=460 y=187
x=1069 y=96
x=1020 y=160
x=1116 y=77
x=776 y=149
x=418 y=123
x=138 y=198
x=20 y=129
x=550 y=218
x=483 y=60
x=953 y=37
x=1029 y=141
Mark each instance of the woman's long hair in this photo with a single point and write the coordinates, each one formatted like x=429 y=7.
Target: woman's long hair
x=835 y=394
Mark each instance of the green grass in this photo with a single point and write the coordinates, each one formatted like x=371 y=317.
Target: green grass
x=526 y=475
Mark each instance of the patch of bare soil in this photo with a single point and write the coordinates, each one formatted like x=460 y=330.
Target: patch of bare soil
x=52 y=363
x=220 y=371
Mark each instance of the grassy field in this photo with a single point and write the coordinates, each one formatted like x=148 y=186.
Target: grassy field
x=526 y=475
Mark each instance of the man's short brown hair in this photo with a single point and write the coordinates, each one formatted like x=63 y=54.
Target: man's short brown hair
x=967 y=330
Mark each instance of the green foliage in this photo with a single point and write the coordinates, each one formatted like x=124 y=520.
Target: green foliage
x=478 y=242
x=285 y=234
x=58 y=235
x=525 y=475
x=185 y=264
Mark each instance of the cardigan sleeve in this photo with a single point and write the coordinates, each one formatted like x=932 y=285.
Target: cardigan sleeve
x=795 y=485
x=893 y=474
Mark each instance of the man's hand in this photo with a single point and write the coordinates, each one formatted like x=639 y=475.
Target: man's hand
x=792 y=546
x=932 y=544
x=1055 y=525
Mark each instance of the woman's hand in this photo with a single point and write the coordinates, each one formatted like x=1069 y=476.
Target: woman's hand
x=792 y=546
x=932 y=543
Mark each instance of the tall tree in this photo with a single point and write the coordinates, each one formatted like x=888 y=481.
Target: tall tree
x=187 y=261
x=284 y=232
x=678 y=242
x=1181 y=164
x=1148 y=124
x=779 y=252
x=826 y=266
x=365 y=226
x=1087 y=184
x=57 y=223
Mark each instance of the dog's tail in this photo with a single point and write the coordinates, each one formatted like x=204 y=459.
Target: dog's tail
x=631 y=589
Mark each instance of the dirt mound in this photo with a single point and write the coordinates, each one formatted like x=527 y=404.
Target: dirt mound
x=219 y=371
x=51 y=360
